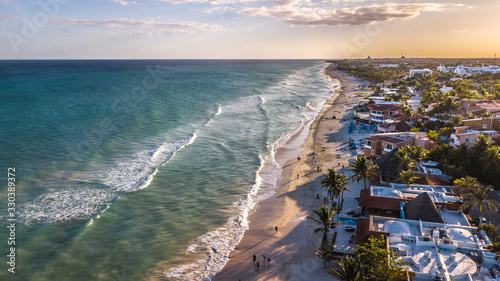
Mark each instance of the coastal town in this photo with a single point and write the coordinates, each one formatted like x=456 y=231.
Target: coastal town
x=432 y=163
x=397 y=180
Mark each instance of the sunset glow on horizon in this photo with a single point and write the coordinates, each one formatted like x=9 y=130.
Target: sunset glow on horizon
x=247 y=29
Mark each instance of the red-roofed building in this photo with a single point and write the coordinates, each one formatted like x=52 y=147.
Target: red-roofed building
x=381 y=112
x=376 y=146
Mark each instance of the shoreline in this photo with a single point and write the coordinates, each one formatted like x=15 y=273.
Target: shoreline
x=298 y=186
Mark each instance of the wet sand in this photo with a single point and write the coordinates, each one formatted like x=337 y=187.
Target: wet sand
x=292 y=247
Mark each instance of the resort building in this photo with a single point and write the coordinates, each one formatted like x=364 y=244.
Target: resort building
x=434 y=250
x=464 y=70
x=388 y=65
x=424 y=71
x=395 y=201
x=380 y=112
x=380 y=144
x=465 y=135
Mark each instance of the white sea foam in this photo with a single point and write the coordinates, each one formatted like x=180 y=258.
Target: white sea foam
x=244 y=105
x=262 y=100
x=219 y=111
x=64 y=205
x=138 y=172
x=219 y=243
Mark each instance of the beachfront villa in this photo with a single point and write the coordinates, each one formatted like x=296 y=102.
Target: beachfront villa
x=380 y=144
x=391 y=201
x=434 y=250
x=379 y=112
x=425 y=226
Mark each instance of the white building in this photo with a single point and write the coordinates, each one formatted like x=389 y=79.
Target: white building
x=424 y=71
x=445 y=89
x=388 y=65
x=465 y=70
x=438 y=251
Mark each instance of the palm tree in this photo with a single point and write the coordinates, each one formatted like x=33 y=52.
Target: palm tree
x=362 y=169
x=326 y=254
x=457 y=120
x=334 y=183
x=324 y=218
x=348 y=269
x=480 y=145
x=406 y=177
x=477 y=197
x=495 y=248
x=460 y=186
x=405 y=158
x=491 y=158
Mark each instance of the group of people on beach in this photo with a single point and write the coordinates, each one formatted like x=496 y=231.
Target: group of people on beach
x=265 y=257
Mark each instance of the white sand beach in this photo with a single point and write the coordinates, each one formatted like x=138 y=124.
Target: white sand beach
x=292 y=247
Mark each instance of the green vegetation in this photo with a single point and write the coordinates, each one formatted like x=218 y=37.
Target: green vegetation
x=495 y=248
x=481 y=161
x=491 y=231
x=362 y=169
x=407 y=177
x=475 y=195
x=370 y=72
x=323 y=217
x=334 y=183
x=373 y=259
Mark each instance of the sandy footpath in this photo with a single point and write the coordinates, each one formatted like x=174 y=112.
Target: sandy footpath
x=292 y=247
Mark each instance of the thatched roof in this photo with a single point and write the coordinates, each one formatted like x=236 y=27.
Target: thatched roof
x=385 y=165
x=422 y=208
x=402 y=126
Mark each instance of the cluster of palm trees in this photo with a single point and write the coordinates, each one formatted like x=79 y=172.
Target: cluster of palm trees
x=475 y=195
x=335 y=185
x=482 y=160
x=406 y=161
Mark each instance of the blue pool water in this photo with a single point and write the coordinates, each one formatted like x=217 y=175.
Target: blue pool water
x=348 y=221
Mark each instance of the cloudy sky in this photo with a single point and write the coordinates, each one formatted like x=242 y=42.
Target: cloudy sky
x=179 y=29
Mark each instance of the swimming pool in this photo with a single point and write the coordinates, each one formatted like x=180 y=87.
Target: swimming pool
x=348 y=221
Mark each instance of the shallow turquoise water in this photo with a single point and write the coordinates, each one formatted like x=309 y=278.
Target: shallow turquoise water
x=127 y=168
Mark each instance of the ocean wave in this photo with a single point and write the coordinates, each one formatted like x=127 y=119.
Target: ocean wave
x=218 y=244
x=262 y=100
x=65 y=205
x=138 y=172
x=247 y=104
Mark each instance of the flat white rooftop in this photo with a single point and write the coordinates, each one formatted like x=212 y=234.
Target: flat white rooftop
x=437 y=194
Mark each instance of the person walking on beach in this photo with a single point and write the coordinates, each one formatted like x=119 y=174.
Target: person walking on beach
x=276 y=228
x=254 y=258
x=258 y=265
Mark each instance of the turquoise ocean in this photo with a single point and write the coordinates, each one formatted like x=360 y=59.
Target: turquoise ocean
x=143 y=169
